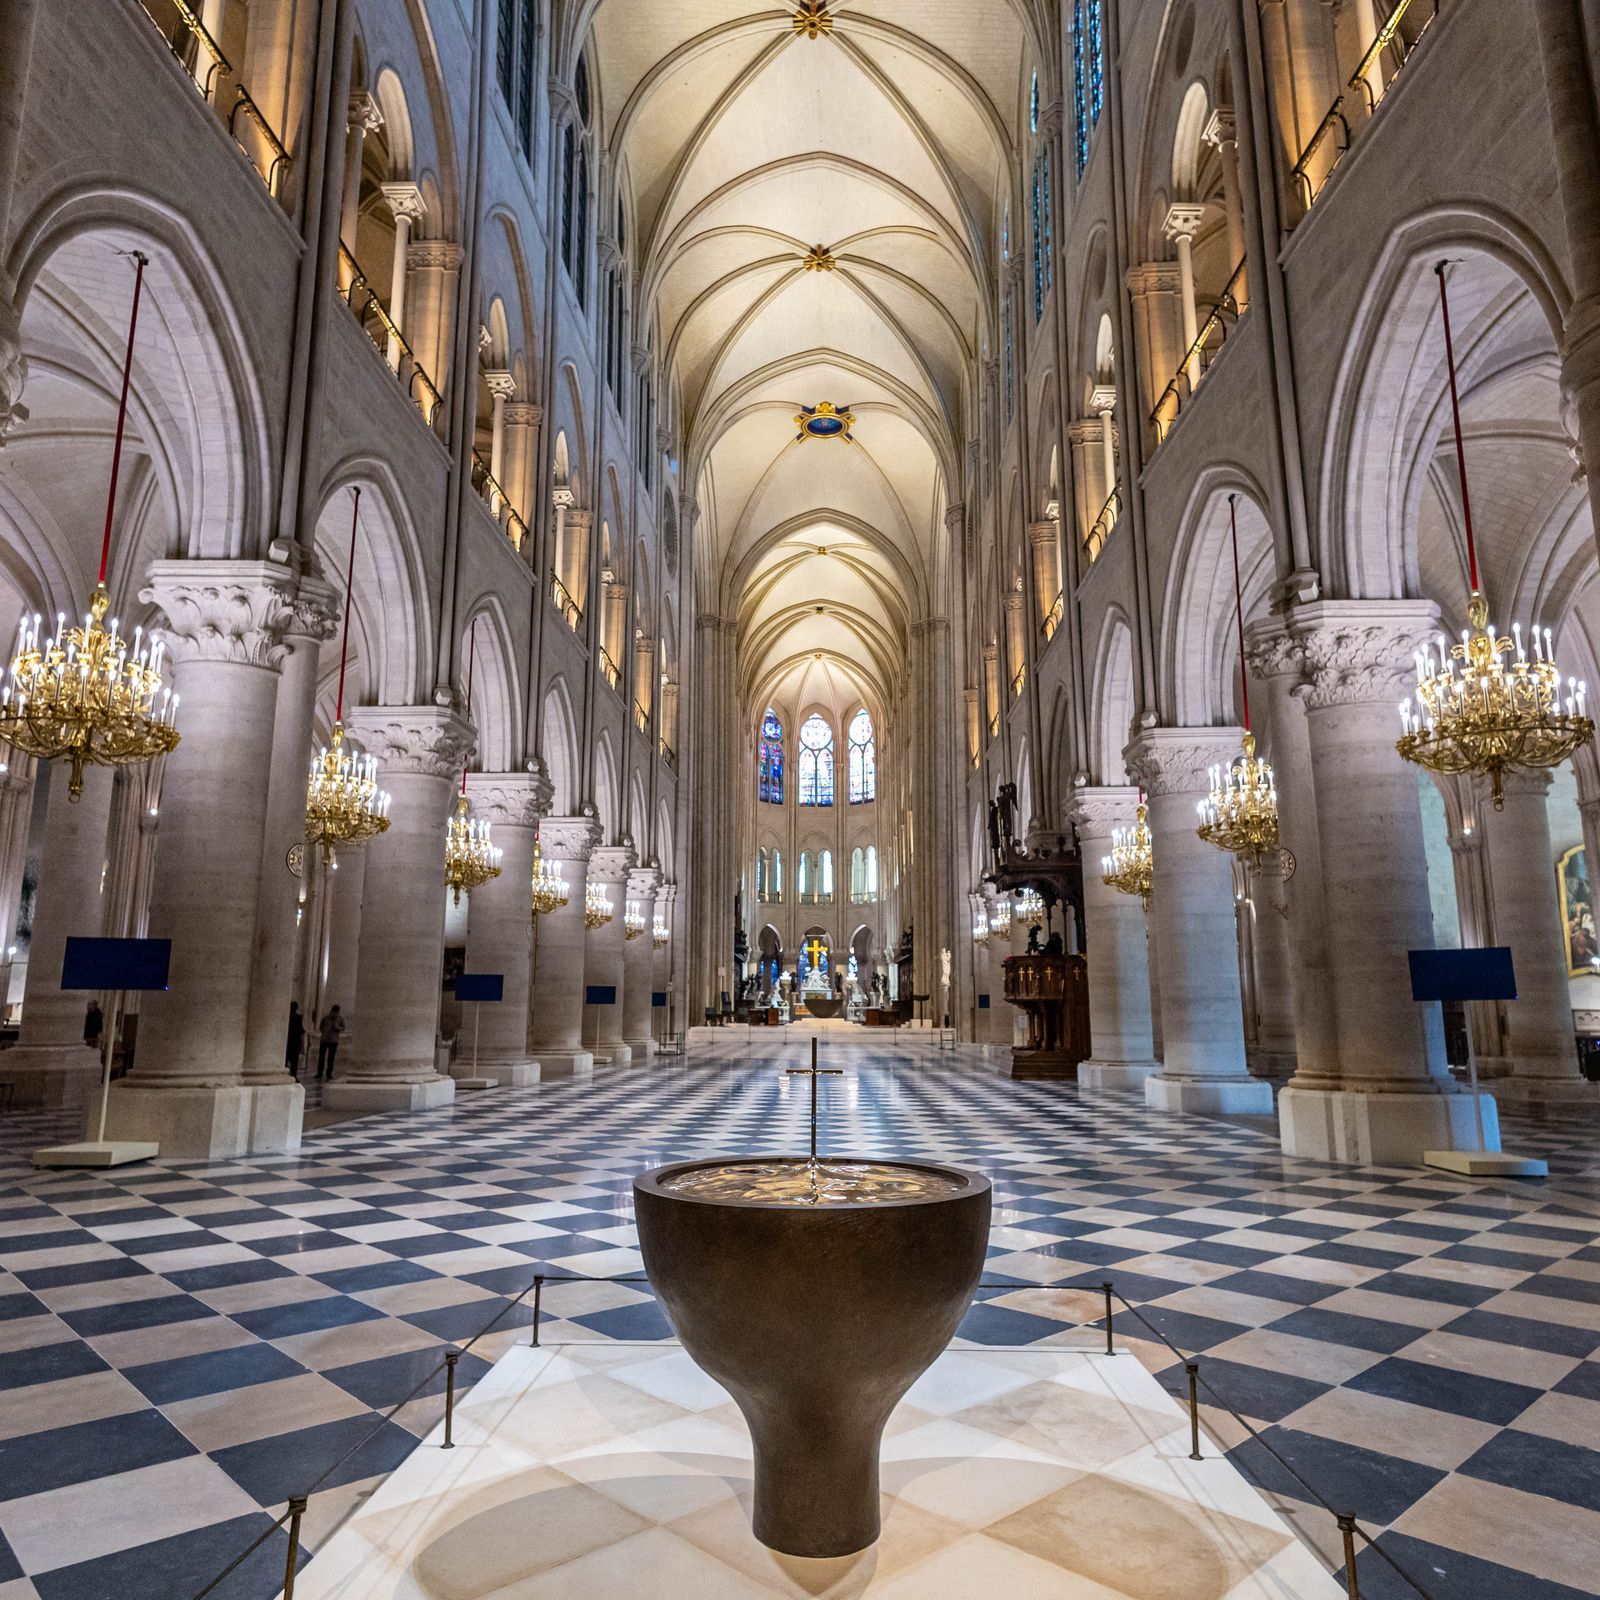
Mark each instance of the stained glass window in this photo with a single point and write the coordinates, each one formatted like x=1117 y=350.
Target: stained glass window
x=1033 y=105
x=1035 y=201
x=825 y=879
x=858 y=875
x=761 y=876
x=1088 y=74
x=1049 y=264
x=777 y=875
x=769 y=761
x=802 y=879
x=863 y=755
x=816 y=762
x=872 y=872
x=1010 y=369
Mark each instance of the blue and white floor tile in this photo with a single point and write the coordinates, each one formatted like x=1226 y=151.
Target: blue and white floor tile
x=185 y=1346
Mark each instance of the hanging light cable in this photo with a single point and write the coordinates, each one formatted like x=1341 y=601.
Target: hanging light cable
x=85 y=695
x=1489 y=715
x=470 y=858
x=1241 y=812
x=343 y=802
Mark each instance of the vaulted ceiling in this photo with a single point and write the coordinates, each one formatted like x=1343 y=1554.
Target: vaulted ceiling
x=743 y=144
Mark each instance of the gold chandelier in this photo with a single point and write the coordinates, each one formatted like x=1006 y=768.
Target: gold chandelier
x=980 y=928
x=598 y=909
x=1030 y=906
x=1491 y=715
x=1240 y=814
x=660 y=933
x=1128 y=869
x=86 y=695
x=470 y=858
x=550 y=889
x=632 y=920
x=343 y=802
x=1000 y=917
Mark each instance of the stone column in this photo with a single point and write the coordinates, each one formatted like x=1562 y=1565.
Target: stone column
x=362 y=117
x=1540 y=1064
x=1117 y=953
x=1002 y=1014
x=433 y=268
x=1221 y=132
x=1181 y=224
x=16 y=816
x=1274 y=1054
x=573 y=561
x=1016 y=655
x=639 y=968
x=663 y=967
x=1191 y=907
x=499 y=925
x=406 y=207
x=1084 y=445
x=991 y=689
x=1154 y=297
x=558 y=967
x=49 y=1064
x=1044 y=543
x=521 y=474
x=502 y=388
x=1394 y=1097
x=1277 y=663
x=278 y=1104
x=603 y=959
x=341 y=888
x=387 y=1060
x=225 y=628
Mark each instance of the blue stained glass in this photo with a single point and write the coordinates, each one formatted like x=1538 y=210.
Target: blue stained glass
x=816 y=763
x=1033 y=105
x=1010 y=371
x=1049 y=264
x=769 y=783
x=1080 y=89
x=863 y=759
x=1096 y=61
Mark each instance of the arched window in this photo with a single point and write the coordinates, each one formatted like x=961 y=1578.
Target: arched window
x=825 y=879
x=769 y=765
x=515 y=41
x=1088 y=81
x=816 y=762
x=1033 y=104
x=858 y=876
x=777 y=875
x=575 y=188
x=872 y=872
x=761 y=875
x=802 y=880
x=863 y=755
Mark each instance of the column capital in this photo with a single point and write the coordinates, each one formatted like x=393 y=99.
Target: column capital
x=1043 y=532
x=1103 y=401
x=643 y=882
x=404 y=200
x=517 y=799
x=1272 y=651
x=612 y=863
x=1360 y=651
x=579 y=518
x=232 y=611
x=688 y=510
x=316 y=608
x=1221 y=128
x=1086 y=431
x=523 y=414
x=434 y=254
x=1095 y=810
x=362 y=112
x=425 y=741
x=1183 y=220
x=568 y=838
x=13 y=369
x=501 y=385
x=1154 y=277
x=1178 y=761
x=955 y=517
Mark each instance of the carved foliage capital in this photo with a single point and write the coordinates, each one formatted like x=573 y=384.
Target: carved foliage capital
x=1361 y=652
x=517 y=799
x=232 y=611
x=643 y=882
x=1094 y=812
x=568 y=838
x=612 y=863
x=424 y=741
x=1178 y=761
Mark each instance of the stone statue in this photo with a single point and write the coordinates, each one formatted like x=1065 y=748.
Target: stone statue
x=944 y=969
x=1007 y=801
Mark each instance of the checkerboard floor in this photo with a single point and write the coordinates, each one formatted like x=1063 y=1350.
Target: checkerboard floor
x=183 y=1346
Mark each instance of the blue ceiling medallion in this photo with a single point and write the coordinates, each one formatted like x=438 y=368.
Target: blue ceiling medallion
x=825 y=421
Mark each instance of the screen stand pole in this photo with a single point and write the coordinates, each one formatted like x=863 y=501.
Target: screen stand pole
x=108 y=1053
x=1472 y=1076
x=477 y=1017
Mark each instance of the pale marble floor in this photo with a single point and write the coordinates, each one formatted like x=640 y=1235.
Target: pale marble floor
x=621 y=1472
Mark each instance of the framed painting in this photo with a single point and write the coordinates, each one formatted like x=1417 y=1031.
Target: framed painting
x=1577 y=914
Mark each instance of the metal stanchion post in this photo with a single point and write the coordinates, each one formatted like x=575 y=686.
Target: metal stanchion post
x=538 y=1295
x=297 y=1510
x=1347 y=1530
x=450 y=1359
x=1110 y=1348
x=1193 y=1369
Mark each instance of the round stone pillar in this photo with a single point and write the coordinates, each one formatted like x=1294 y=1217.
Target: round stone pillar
x=1277 y=662
x=225 y=629
x=1002 y=1014
x=1540 y=1063
x=559 y=952
x=1117 y=956
x=278 y=1102
x=386 y=1063
x=638 y=995
x=604 y=958
x=500 y=926
x=1191 y=904
x=50 y=1065
x=342 y=886
x=1394 y=1098
x=1274 y=1054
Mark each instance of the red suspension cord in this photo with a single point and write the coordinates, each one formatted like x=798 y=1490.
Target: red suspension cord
x=349 y=585
x=472 y=663
x=1455 y=412
x=142 y=261
x=1238 y=605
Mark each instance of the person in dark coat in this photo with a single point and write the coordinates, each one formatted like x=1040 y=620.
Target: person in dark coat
x=295 y=1044
x=328 y=1036
x=93 y=1023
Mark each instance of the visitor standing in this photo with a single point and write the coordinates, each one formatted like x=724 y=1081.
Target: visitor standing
x=328 y=1035
x=295 y=1044
x=93 y=1023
